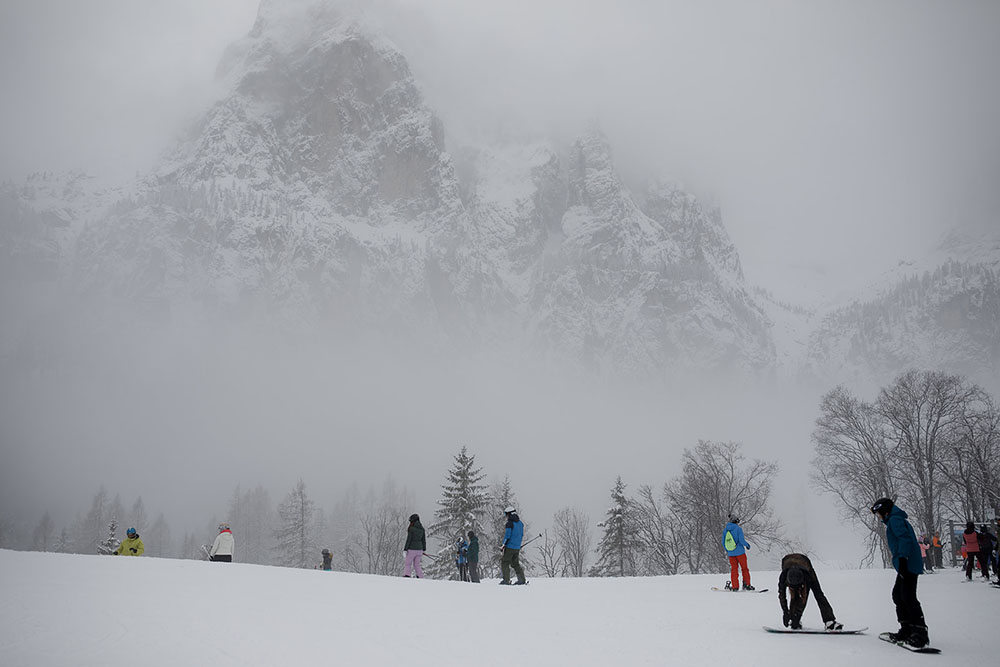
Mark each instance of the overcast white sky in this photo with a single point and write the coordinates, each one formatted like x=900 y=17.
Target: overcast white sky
x=837 y=136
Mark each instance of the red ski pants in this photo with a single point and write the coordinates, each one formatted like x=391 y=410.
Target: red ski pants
x=741 y=563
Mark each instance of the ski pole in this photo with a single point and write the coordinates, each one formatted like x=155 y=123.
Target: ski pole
x=430 y=556
x=531 y=540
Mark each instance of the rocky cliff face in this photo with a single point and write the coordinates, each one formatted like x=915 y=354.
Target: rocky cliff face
x=318 y=193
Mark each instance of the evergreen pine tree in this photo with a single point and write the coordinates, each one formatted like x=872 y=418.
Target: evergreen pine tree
x=617 y=548
x=462 y=505
x=110 y=543
x=295 y=547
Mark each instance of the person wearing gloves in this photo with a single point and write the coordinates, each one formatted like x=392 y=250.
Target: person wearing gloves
x=224 y=545
x=799 y=578
x=906 y=559
x=131 y=545
x=736 y=547
x=513 y=534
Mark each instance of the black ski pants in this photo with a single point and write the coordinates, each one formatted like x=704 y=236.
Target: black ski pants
x=798 y=603
x=474 y=571
x=463 y=571
x=970 y=564
x=909 y=613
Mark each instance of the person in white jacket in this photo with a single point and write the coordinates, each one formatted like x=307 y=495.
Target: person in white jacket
x=222 y=548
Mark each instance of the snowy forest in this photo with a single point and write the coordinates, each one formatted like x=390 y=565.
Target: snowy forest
x=929 y=439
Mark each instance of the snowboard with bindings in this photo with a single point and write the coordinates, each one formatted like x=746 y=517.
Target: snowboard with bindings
x=730 y=590
x=816 y=631
x=913 y=649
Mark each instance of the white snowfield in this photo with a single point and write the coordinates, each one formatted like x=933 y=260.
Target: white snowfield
x=59 y=609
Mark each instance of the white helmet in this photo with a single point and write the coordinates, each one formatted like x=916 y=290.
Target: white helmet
x=509 y=510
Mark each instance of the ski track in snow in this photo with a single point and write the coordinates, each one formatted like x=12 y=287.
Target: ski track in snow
x=60 y=609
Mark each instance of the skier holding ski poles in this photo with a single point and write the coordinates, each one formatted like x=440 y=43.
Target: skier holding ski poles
x=511 y=548
x=416 y=545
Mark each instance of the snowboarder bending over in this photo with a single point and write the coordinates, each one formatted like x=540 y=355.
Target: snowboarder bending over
x=799 y=577
x=224 y=546
x=736 y=547
x=131 y=545
x=416 y=545
x=511 y=548
x=906 y=559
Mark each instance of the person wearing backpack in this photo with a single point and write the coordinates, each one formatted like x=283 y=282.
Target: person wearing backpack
x=736 y=547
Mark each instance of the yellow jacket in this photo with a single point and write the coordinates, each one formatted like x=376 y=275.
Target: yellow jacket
x=130 y=546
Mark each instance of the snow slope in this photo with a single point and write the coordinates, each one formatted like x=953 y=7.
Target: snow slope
x=59 y=609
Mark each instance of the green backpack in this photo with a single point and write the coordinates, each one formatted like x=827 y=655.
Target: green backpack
x=730 y=542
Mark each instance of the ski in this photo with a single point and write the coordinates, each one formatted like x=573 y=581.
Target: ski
x=816 y=631
x=913 y=649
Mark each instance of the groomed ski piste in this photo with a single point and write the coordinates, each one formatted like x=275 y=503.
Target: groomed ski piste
x=62 y=609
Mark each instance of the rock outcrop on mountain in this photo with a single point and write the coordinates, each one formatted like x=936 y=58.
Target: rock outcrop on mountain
x=319 y=193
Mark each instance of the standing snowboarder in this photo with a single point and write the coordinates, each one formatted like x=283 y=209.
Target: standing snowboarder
x=416 y=545
x=327 y=560
x=798 y=575
x=736 y=547
x=224 y=546
x=131 y=545
x=906 y=559
x=511 y=548
x=473 y=555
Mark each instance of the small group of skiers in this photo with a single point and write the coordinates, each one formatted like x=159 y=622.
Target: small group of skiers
x=978 y=545
x=798 y=578
x=467 y=551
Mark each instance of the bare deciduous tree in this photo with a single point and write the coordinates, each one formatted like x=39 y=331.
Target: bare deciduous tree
x=854 y=462
x=572 y=533
x=714 y=483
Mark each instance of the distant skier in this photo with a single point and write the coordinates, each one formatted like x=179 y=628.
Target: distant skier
x=327 y=560
x=416 y=545
x=224 y=546
x=131 y=545
x=986 y=543
x=973 y=552
x=462 y=559
x=473 y=555
x=906 y=559
x=736 y=547
x=511 y=548
x=798 y=575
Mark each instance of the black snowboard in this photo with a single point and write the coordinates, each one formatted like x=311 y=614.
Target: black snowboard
x=817 y=631
x=926 y=649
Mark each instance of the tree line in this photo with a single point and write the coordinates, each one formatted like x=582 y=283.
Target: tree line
x=929 y=440
x=669 y=530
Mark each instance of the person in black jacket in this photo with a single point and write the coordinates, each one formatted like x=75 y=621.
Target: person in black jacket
x=473 y=555
x=327 y=560
x=799 y=578
x=416 y=545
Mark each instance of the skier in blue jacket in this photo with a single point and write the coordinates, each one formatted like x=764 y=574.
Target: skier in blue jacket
x=736 y=547
x=909 y=565
x=512 y=535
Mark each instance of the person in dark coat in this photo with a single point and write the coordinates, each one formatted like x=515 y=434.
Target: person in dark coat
x=327 y=560
x=909 y=566
x=416 y=545
x=473 y=555
x=799 y=578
